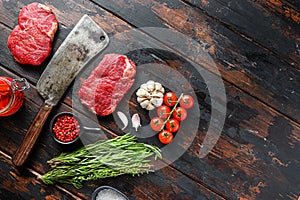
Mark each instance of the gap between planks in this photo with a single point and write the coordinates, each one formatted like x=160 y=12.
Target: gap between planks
x=215 y=192
x=6 y=26
x=248 y=38
x=242 y=35
x=8 y=71
x=38 y=175
x=228 y=81
x=209 y=189
x=113 y=134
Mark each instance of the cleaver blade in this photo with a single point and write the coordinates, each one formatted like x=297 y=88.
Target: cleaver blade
x=84 y=42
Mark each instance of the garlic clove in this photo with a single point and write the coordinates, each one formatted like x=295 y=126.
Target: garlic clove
x=136 y=121
x=123 y=118
x=156 y=101
x=162 y=90
x=150 y=85
x=157 y=94
x=157 y=86
x=150 y=106
x=145 y=103
x=142 y=92
x=144 y=86
x=141 y=99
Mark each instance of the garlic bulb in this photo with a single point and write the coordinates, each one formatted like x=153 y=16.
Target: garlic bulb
x=150 y=95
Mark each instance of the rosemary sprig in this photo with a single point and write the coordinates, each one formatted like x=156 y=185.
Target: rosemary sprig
x=110 y=158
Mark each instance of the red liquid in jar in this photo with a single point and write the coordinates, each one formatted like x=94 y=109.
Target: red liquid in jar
x=10 y=100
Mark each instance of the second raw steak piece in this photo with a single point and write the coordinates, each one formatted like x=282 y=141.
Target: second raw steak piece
x=105 y=87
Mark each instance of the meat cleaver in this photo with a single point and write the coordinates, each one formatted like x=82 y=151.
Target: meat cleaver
x=84 y=42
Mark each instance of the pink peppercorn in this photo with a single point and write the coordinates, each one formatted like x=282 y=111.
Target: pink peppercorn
x=66 y=128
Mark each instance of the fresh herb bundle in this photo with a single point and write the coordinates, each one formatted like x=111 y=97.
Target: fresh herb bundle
x=105 y=158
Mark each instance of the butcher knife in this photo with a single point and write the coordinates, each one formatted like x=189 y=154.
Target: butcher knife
x=84 y=42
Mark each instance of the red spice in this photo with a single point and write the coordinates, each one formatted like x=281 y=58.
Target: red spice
x=66 y=128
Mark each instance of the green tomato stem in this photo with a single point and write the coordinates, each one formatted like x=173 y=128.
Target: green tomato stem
x=175 y=106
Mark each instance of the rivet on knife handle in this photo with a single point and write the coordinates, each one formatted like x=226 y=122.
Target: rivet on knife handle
x=31 y=136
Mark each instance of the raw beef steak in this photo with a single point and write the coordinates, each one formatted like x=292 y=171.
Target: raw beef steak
x=30 y=41
x=105 y=87
x=29 y=46
x=40 y=16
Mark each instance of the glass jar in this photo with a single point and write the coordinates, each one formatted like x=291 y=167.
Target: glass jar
x=11 y=94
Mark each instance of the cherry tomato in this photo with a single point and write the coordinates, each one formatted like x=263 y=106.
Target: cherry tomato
x=156 y=123
x=180 y=114
x=163 y=111
x=165 y=137
x=170 y=99
x=186 y=101
x=172 y=125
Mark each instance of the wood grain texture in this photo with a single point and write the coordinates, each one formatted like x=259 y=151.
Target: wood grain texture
x=256 y=156
x=240 y=62
x=257 y=21
x=247 y=126
x=64 y=11
x=15 y=184
x=135 y=187
x=249 y=148
x=32 y=135
x=285 y=8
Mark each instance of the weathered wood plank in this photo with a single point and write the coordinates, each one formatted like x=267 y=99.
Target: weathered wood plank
x=248 y=149
x=235 y=164
x=283 y=8
x=143 y=187
x=68 y=14
x=258 y=23
x=234 y=150
x=248 y=68
x=24 y=185
x=159 y=185
x=293 y=3
x=240 y=62
x=31 y=73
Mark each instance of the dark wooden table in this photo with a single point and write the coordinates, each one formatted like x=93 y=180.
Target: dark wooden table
x=256 y=48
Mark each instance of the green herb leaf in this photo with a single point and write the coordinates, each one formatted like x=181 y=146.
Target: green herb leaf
x=110 y=158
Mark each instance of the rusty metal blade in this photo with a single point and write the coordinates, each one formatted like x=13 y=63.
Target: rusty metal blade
x=85 y=41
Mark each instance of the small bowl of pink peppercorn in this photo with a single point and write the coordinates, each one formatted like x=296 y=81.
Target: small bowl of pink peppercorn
x=65 y=128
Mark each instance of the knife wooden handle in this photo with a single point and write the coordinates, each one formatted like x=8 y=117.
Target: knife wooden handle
x=32 y=135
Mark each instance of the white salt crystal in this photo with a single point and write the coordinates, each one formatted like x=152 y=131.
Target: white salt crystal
x=109 y=194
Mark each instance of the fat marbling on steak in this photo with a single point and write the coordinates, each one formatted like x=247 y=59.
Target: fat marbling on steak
x=105 y=87
x=31 y=40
